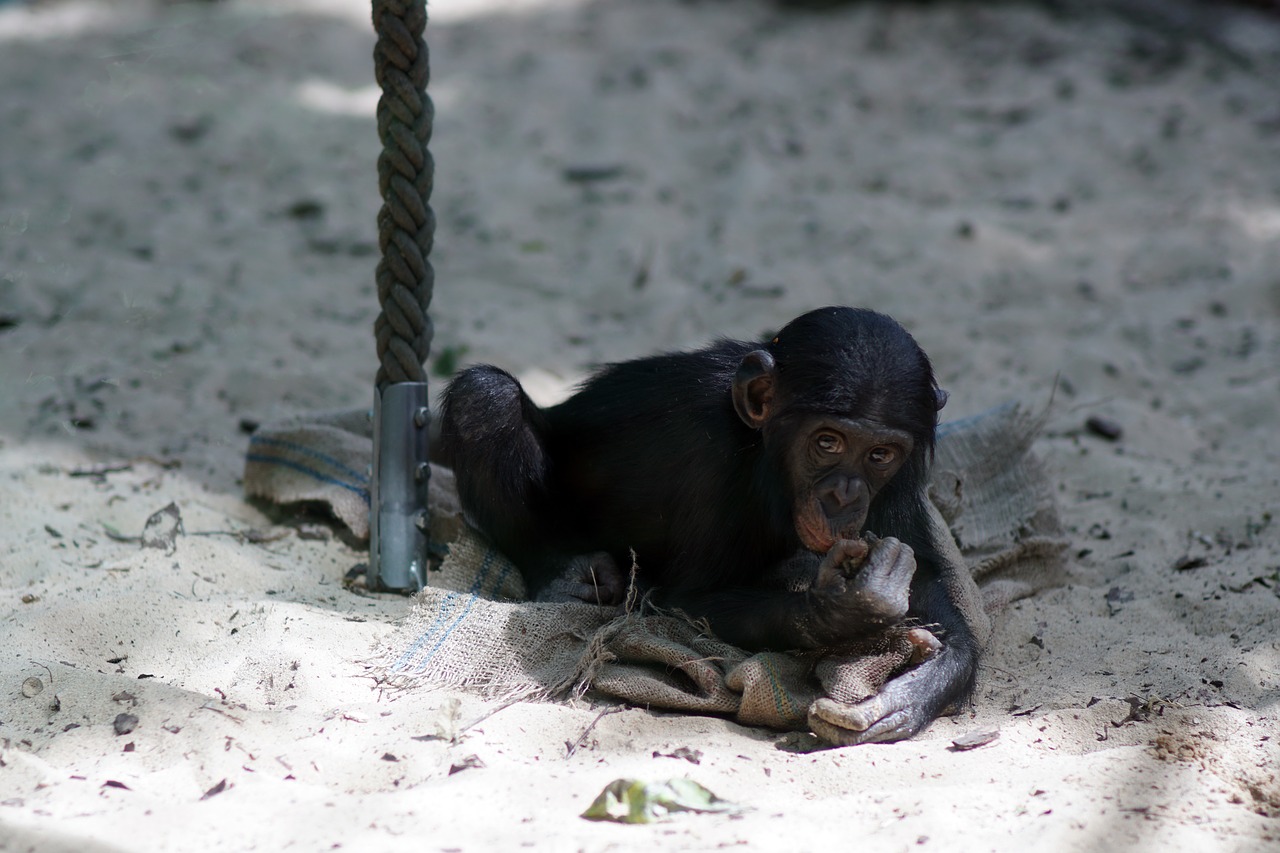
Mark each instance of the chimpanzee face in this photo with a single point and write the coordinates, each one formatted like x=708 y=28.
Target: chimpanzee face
x=836 y=466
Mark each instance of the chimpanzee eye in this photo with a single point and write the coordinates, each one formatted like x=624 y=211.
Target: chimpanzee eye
x=830 y=443
x=882 y=456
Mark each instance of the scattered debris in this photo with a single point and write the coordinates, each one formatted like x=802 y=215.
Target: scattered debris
x=1141 y=710
x=693 y=756
x=125 y=723
x=215 y=790
x=446 y=722
x=1104 y=427
x=1117 y=596
x=468 y=763
x=259 y=537
x=162 y=529
x=571 y=748
x=314 y=532
x=100 y=470
x=1186 y=563
x=637 y=801
x=591 y=174
x=112 y=783
x=973 y=740
x=114 y=533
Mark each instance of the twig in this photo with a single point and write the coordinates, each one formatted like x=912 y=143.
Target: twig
x=457 y=736
x=100 y=470
x=583 y=737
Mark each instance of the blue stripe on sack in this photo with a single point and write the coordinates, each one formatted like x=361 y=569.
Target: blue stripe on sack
x=448 y=632
x=303 y=450
x=403 y=662
x=497 y=584
x=311 y=472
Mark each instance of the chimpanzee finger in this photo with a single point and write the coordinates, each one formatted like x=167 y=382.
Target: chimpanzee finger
x=898 y=725
x=844 y=555
x=891 y=558
x=834 y=722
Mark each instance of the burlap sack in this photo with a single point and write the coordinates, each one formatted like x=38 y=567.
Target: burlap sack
x=471 y=629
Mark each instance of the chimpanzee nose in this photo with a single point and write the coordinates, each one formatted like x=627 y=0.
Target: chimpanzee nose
x=842 y=493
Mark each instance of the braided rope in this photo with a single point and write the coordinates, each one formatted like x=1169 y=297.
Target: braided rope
x=406 y=223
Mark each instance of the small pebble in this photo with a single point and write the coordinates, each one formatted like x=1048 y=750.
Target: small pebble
x=1104 y=427
x=125 y=723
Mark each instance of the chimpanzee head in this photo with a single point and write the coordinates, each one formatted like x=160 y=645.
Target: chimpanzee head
x=847 y=404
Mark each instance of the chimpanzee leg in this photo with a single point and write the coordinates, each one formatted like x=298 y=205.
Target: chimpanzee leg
x=495 y=439
x=491 y=434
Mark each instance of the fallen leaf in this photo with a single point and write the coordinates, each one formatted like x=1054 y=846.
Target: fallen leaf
x=637 y=801
x=162 y=529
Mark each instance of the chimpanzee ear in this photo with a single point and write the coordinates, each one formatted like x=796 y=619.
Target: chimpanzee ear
x=940 y=397
x=753 y=388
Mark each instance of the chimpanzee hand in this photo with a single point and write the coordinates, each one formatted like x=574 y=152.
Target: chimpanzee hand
x=593 y=578
x=904 y=706
x=861 y=586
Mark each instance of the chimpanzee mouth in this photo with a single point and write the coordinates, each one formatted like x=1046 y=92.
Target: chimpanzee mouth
x=820 y=532
x=850 y=530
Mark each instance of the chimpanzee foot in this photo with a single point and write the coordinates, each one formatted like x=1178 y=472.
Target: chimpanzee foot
x=592 y=578
x=924 y=645
x=903 y=708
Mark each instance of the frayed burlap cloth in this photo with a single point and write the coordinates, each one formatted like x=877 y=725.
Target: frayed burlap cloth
x=472 y=627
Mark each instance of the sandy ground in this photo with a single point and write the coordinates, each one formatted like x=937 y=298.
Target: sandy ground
x=1040 y=191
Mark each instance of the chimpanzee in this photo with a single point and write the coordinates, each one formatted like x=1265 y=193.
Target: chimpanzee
x=776 y=490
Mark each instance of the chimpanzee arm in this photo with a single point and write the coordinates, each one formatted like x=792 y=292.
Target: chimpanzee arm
x=945 y=598
x=750 y=618
x=856 y=590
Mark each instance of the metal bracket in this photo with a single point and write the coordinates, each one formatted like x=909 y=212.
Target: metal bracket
x=398 y=493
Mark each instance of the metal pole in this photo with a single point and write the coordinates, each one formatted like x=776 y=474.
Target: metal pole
x=405 y=278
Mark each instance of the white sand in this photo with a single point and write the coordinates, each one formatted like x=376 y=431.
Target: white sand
x=1036 y=195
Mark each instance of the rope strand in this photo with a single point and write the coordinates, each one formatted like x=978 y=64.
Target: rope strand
x=406 y=223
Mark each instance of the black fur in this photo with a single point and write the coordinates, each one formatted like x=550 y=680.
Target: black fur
x=650 y=456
